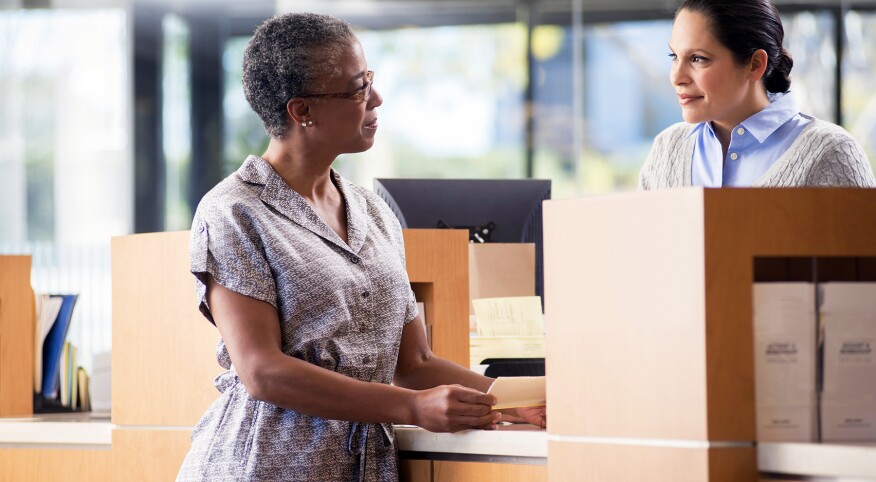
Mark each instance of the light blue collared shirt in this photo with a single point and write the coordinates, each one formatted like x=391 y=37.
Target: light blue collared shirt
x=755 y=145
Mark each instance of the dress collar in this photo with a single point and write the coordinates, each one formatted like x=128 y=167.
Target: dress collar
x=278 y=195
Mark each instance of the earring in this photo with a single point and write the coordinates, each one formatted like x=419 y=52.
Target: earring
x=308 y=123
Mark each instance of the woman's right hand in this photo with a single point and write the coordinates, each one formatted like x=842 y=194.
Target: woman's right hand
x=451 y=408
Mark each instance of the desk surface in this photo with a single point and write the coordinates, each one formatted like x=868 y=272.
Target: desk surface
x=74 y=430
x=84 y=430
x=525 y=442
x=510 y=443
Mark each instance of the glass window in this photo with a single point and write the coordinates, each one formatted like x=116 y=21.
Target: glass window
x=627 y=100
x=859 y=83
x=65 y=154
x=176 y=122
x=809 y=39
x=244 y=133
x=453 y=104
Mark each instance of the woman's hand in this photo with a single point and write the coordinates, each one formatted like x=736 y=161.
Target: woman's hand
x=532 y=415
x=451 y=408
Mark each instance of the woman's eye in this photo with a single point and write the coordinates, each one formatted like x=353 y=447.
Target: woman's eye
x=698 y=58
x=673 y=56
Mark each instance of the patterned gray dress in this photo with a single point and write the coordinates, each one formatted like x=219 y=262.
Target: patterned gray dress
x=342 y=306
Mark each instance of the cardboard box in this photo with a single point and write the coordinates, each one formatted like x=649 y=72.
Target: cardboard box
x=499 y=270
x=848 y=404
x=785 y=362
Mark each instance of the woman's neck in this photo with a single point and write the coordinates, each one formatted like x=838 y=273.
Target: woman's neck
x=306 y=173
x=755 y=103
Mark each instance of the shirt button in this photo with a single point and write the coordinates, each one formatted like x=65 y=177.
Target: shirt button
x=734 y=156
x=740 y=131
x=365 y=294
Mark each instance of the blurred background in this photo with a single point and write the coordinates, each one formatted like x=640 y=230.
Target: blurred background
x=117 y=116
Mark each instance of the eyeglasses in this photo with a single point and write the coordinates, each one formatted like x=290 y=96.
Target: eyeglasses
x=358 y=95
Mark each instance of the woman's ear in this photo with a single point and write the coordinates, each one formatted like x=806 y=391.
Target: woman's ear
x=298 y=110
x=757 y=65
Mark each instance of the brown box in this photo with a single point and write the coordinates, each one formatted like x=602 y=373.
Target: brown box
x=499 y=270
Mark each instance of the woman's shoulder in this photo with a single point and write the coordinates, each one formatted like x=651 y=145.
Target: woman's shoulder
x=829 y=156
x=820 y=131
x=675 y=132
x=229 y=199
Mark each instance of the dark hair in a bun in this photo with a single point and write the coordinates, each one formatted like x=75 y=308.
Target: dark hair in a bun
x=745 y=26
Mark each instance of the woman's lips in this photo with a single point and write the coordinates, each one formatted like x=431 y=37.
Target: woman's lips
x=372 y=125
x=685 y=99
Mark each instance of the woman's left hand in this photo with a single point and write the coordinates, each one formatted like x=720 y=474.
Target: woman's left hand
x=532 y=415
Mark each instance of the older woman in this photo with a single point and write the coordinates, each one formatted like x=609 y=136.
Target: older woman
x=303 y=273
x=742 y=125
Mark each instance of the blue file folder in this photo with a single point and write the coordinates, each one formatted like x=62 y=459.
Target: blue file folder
x=53 y=346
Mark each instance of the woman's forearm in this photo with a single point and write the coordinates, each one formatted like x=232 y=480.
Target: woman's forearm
x=431 y=371
x=306 y=388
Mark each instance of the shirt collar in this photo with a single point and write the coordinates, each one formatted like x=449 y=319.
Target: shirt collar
x=255 y=170
x=697 y=128
x=783 y=106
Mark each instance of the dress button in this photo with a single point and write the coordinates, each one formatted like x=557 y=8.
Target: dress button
x=734 y=156
x=365 y=294
x=354 y=260
x=366 y=359
x=740 y=131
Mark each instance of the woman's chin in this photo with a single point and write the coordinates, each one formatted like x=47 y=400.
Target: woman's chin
x=692 y=117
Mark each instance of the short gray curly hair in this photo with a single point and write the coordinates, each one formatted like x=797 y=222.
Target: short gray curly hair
x=283 y=59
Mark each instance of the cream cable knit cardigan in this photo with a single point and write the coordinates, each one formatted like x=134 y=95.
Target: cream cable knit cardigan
x=824 y=154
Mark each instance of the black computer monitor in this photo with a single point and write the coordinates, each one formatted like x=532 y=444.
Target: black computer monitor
x=493 y=210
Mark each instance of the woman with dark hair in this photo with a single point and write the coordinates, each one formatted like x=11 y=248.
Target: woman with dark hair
x=742 y=125
x=303 y=273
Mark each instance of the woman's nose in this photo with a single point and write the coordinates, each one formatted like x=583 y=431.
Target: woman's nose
x=376 y=99
x=677 y=74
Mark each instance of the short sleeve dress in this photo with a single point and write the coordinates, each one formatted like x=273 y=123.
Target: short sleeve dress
x=342 y=306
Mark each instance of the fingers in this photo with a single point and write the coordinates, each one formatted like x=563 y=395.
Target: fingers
x=454 y=408
x=533 y=415
x=472 y=396
x=468 y=402
x=486 y=422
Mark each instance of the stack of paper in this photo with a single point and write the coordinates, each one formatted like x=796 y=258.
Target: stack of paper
x=507 y=328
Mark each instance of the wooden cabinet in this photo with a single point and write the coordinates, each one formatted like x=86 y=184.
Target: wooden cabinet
x=55 y=465
x=649 y=322
x=455 y=471
x=17 y=322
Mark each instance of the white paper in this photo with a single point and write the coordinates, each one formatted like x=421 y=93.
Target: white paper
x=513 y=316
